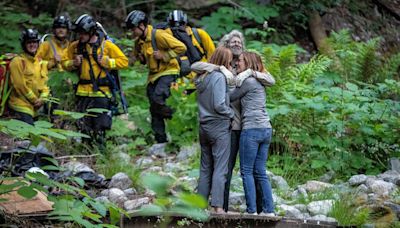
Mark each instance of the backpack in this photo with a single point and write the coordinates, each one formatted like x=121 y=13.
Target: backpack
x=5 y=88
x=192 y=53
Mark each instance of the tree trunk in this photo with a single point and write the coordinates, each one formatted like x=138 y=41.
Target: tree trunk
x=318 y=33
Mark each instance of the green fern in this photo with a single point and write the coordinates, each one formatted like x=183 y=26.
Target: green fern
x=318 y=65
x=368 y=61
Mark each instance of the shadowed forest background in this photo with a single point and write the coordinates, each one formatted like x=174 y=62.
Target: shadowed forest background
x=335 y=107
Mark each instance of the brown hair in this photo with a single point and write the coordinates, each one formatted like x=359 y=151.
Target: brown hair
x=253 y=61
x=222 y=56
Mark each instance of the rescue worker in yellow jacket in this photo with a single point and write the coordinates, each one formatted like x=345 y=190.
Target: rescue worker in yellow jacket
x=200 y=49
x=54 y=50
x=28 y=76
x=93 y=57
x=163 y=67
x=203 y=42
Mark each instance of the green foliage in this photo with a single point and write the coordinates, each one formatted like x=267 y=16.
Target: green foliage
x=11 y=23
x=41 y=130
x=183 y=126
x=225 y=19
x=187 y=204
x=346 y=212
x=347 y=127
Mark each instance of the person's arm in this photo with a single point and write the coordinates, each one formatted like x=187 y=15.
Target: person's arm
x=18 y=80
x=207 y=42
x=265 y=78
x=238 y=93
x=200 y=67
x=70 y=56
x=219 y=102
x=169 y=44
x=113 y=57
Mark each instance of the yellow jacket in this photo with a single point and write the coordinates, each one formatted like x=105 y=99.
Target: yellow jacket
x=112 y=59
x=29 y=83
x=169 y=46
x=47 y=53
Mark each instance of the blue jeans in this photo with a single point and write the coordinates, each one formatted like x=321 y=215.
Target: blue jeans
x=253 y=154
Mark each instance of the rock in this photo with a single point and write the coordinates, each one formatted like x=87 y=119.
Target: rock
x=121 y=181
x=300 y=192
x=357 y=179
x=136 y=203
x=117 y=196
x=102 y=199
x=172 y=167
x=236 y=199
x=362 y=189
x=291 y=211
x=158 y=150
x=277 y=199
x=130 y=193
x=77 y=167
x=154 y=169
x=122 y=157
x=41 y=148
x=394 y=207
x=381 y=187
x=316 y=186
x=321 y=207
x=105 y=192
x=390 y=176
x=280 y=183
x=301 y=207
x=394 y=164
x=191 y=182
x=102 y=176
x=327 y=177
x=187 y=152
x=323 y=218
x=144 y=161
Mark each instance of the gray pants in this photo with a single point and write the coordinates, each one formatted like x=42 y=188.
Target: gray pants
x=215 y=142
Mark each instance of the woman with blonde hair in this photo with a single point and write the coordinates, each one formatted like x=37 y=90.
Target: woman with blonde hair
x=255 y=135
x=215 y=118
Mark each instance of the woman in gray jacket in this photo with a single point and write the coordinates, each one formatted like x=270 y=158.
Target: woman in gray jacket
x=215 y=118
x=255 y=136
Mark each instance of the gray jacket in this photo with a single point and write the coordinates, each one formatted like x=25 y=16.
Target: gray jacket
x=212 y=97
x=253 y=104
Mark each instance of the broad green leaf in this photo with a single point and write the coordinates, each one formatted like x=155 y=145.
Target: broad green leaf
x=99 y=207
x=194 y=200
x=27 y=192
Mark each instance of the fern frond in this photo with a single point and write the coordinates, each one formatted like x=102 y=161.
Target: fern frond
x=308 y=71
x=368 y=61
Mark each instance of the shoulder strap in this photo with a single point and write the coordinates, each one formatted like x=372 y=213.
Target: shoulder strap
x=54 y=49
x=198 y=38
x=153 y=39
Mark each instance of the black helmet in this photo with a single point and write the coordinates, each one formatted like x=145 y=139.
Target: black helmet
x=61 y=22
x=134 y=18
x=177 y=18
x=29 y=35
x=85 y=23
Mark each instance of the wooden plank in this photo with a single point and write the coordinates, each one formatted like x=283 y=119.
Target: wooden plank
x=17 y=204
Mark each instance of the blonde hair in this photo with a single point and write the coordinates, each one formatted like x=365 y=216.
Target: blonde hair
x=253 y=61
x=222 y=56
